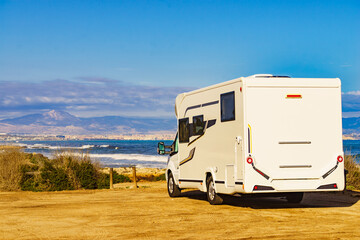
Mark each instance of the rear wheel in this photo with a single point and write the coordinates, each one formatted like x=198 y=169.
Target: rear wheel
x=173 y=189
x=212 y=196
x=294 y=197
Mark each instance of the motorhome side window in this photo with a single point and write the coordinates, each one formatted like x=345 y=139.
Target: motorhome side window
x=184 y=130
x=198 y=125
x=227 y=106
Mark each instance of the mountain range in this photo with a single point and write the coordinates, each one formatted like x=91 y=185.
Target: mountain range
x=61 y=122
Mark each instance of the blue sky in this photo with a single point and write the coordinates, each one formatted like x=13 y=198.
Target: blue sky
x=161 y=48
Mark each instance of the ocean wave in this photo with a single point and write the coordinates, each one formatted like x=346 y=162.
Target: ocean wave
x=131 y=157
x=52 y=147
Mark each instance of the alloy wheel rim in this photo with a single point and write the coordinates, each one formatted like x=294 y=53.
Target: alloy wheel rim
x=171 y=185
x=211 y=190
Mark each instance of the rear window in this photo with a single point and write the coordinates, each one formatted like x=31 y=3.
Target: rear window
x=227 y=106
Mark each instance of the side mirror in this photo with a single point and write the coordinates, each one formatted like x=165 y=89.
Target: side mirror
x=161 y=148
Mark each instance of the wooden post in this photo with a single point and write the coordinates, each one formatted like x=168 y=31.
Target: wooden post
x=134 y=176
x=111 y=178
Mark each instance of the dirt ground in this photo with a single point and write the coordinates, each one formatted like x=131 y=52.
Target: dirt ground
x=148 y=213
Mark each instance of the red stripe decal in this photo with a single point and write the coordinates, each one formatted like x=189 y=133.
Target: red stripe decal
x=293 y=96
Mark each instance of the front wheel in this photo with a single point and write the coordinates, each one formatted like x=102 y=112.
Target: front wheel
x=212 y=196
x=173 y=189
x=294 y=197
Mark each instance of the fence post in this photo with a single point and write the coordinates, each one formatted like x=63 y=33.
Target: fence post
x=111 y=178
x=134 y=176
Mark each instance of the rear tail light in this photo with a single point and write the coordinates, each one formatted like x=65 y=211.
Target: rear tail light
x=260 y=172
x=262 y=188
x=249 y=160
x=328 y=186
x=340 y=158
x=293 y=96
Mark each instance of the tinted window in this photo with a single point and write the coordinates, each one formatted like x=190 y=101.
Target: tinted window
x=198 y=125
x=184 y=130
x=227 y=106
x=175 y=146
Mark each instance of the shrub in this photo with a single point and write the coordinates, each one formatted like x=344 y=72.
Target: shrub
x=79 y=170
x=353 y=176
x=11 y=161
x=103 y=181
x=54 y=178
x=66 y=171
x=161 y=177
x=30 y=179
x=151 y=177
x=119 y=178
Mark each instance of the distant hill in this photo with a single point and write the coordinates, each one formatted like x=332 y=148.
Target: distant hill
x=61 y=122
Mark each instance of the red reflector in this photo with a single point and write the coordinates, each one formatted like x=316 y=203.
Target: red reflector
x=259 y=172
x=340 y=158
x=240 y=89
x=335 y=186
x=293 y=96
x=249 y=160
x=255 y=187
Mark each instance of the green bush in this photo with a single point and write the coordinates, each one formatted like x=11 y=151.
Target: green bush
x=67 y=171
x=55 y=178
x=86 y=175
x=29 y=177
x=103 y=181
x=161 y=177
x=152 y=177
x=119 y=178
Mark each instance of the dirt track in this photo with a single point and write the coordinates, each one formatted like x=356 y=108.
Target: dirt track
x=148 y=213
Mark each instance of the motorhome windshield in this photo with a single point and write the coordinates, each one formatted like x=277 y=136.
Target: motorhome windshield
x=175 y=145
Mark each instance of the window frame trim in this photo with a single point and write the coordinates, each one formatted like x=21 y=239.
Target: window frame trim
x=187 y=126
x=194 y=127
x=221 y=107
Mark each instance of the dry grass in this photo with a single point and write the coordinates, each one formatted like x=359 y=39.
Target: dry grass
x=353 y=176
x=9 y=147
x=10 y=161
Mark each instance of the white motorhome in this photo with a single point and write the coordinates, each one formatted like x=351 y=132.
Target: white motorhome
x=258 y=134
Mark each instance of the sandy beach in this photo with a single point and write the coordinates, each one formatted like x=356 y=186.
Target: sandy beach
x=148 y=213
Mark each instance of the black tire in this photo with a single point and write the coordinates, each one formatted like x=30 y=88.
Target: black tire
x=294 y=197
x=212 y=196
x=173 y=189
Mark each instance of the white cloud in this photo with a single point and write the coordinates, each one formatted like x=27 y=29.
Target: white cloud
x=356 y=93
x=89 y=96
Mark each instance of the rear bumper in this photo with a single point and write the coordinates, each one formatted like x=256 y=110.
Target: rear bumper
x=330 y=180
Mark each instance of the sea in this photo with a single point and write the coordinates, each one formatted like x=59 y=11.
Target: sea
x=109 y=153
x=122 y=153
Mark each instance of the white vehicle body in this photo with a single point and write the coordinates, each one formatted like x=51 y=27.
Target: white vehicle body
x=285 y=135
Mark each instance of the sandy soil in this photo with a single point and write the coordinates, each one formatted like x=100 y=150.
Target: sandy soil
x=148 y=213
